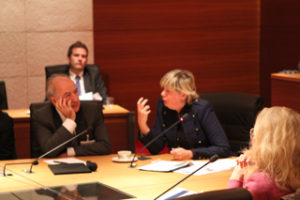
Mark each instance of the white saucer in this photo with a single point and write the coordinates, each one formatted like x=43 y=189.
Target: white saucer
x=116 y=159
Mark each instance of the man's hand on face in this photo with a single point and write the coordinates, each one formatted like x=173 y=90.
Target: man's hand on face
x=65 y=107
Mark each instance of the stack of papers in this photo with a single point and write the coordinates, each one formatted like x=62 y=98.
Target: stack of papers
x=217 y=166
x=175 y=193
x=189 y=167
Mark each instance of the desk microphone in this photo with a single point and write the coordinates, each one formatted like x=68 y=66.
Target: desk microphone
x=212 y=159
x=36 y=161
x=158 y=136
x=17 y=163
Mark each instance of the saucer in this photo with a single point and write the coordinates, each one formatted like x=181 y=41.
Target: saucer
x=116 y=159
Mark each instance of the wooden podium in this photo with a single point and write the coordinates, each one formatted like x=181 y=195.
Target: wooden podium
x=285 y=90
x=120 y=124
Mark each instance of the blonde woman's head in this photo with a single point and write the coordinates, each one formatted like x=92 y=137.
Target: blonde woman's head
x=276 y=145
x=182 y=81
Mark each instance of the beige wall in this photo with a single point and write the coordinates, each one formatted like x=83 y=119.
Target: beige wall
x=36 y=33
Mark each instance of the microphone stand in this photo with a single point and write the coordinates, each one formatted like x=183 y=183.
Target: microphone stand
x=19 y=163
x=156 y=137
x=212 y=159
x=36 y=161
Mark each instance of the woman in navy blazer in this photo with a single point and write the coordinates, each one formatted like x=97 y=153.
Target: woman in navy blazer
x=199 y=135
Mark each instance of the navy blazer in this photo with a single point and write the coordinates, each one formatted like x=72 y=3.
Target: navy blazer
x=202 y=129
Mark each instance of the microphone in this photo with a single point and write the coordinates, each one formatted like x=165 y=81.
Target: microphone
x=158 y=136
x=36 y=161
x=212 y=159
x=91 y=165
x=17 y=163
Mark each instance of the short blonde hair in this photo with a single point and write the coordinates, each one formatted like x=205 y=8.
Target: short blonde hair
x=275 y=146
x=182 y=81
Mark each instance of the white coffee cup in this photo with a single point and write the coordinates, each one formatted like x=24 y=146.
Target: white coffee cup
x=124 y=154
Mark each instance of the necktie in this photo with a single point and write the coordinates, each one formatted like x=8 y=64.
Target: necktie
x=77 y=78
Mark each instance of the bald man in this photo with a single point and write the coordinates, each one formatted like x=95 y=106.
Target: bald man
x=65 y=117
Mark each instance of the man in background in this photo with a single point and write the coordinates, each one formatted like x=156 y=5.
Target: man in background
x=87 y=78
x=63 y=118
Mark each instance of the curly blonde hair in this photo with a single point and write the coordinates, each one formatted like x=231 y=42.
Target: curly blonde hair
x=275 y=147
x=182 y=81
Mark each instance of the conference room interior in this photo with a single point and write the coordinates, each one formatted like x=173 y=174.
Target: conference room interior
x=230 y=46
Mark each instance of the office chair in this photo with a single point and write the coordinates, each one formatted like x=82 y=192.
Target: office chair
x=237 y=114
x=7 y=137
x=64 y=69
x=3 y=97
x=227 y=194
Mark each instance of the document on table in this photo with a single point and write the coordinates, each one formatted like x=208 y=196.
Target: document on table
x=63 y=160
x=217 y=166
x=164 y=166
x=177 y=192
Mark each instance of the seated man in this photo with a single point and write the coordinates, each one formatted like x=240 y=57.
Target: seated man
x=65 y=116
x=87 y=78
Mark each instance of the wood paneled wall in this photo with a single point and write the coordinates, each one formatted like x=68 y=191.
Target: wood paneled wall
x=280 y=39
x=137 y=42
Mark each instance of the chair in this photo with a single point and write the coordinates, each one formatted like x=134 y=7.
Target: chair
x=227 y=194
x=35 y=150
x=3 y=97
x=236 y=113
x=293 y=196
x=7 y=137
x=64 y=69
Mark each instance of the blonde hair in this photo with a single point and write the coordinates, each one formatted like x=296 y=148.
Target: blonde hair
x=182 y=81
x=275 y=147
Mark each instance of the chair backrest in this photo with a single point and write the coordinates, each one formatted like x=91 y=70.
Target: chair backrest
x=3 y=97
x=7 y=137
x=63 y=69
x=35 y=149
x=293 y=196
x=237 y=114
x=227 y=194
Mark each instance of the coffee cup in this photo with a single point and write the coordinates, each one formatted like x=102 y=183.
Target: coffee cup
x=124 y=154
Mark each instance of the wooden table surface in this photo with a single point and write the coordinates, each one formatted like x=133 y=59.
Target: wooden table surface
x=141 y=184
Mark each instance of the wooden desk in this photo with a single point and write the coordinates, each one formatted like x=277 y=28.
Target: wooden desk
x=142 y=184
x=285 y=90
x=119 y=121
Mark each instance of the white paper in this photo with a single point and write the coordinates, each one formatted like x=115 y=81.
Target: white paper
x=217 y=166
x=64 y=160
x=164 y=166
x=86 y=97
x=177 y=192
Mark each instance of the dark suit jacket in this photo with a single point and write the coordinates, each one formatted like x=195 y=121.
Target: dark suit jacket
x=7 y=137
x=202 y=130
x=93 y=81
x=47 y=131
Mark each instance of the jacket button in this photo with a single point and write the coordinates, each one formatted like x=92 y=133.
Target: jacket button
x=197 y=129
x=177 y=139
x=193 y=115
x=199 y=142
x=163 y=125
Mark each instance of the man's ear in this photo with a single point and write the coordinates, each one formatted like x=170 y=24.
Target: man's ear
x=53 y=100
